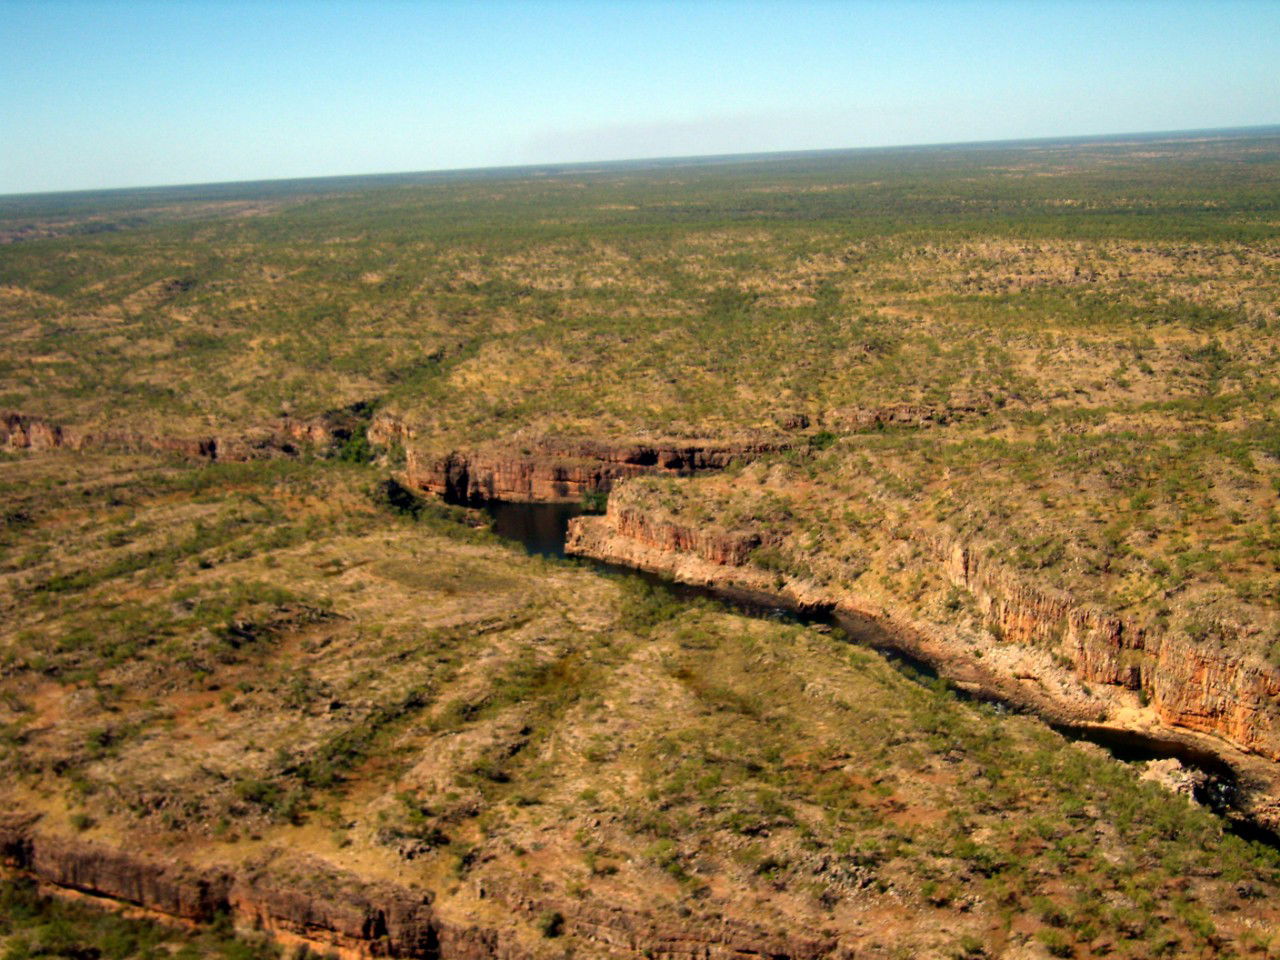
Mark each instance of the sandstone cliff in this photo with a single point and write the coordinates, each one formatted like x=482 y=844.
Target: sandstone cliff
x=565 y=470
x=1216 y=691
x=306 y=901
x=284 y=437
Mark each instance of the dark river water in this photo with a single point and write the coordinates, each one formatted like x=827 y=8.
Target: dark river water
x=541 y=528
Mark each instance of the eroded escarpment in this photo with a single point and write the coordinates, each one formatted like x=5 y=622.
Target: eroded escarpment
x=1188 y=687
x=300 y=900
x=303 y=900
x=568 y=470
x=283 y=437
x=1074 y=664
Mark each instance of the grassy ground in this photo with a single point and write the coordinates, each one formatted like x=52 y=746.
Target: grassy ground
x=299 y=666
x=682 y=299
x=1064 y=353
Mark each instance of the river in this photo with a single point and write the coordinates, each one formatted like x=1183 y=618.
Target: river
x=542 y=529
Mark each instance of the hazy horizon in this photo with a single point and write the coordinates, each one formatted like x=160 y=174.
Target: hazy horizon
x=117 y=96
x=1117 y=137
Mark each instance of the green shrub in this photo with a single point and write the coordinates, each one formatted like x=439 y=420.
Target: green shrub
x=1056 y=943
x=551 y=924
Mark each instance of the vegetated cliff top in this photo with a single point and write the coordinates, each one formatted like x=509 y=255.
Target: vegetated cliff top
x=270 y=672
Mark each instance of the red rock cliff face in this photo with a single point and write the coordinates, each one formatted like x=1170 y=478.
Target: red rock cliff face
x=565 y=470
x=1212 y=691
x=284 y=437
x=1103 y=648
x=724 y=549
x=1217 y=693
x=18 y=432
x=303 y=900
x=165 y=887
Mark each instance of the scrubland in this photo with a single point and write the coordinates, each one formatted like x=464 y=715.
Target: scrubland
x=278 y=662
x=1060 y=355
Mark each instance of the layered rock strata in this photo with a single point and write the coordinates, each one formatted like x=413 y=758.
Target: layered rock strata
x=307 y=901
x=567 y=470
x=284 y=437
x=1229 y=695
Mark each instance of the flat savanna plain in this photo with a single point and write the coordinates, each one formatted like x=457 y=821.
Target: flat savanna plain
x=1062 y=354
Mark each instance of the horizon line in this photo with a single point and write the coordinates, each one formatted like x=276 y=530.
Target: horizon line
x=585 y=166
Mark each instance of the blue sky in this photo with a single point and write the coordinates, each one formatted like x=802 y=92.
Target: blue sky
x=107 y=94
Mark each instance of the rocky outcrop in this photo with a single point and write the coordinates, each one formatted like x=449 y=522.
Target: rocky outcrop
x=551 y=470
x=1214 y=691
x=284 y=437
x=301 y=900
x=297 y=899
x=1174 y=777
x=566 y=470
x=309 y=900
x=167 y=887
x=1097 y=643
x=632 y=537
x=19 y=432
x=722 y=548
x=387 y=430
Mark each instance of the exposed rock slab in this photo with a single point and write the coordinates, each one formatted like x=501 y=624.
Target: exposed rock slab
x=284 y=437
x=303 y=900
x=567 y=470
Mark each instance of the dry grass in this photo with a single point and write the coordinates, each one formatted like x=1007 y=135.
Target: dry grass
x=418 y=705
